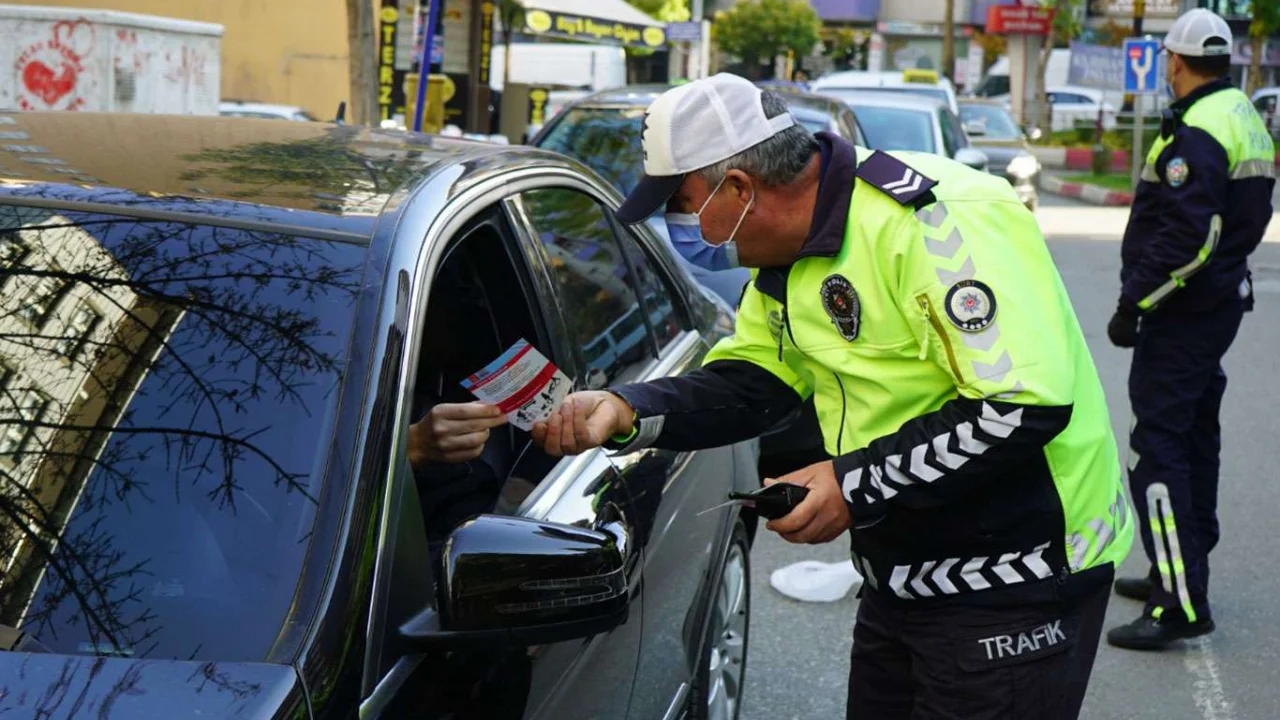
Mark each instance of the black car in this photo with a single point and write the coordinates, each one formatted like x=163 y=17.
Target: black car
x=215 y=335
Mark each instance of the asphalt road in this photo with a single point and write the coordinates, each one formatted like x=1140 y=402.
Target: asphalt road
x=798 y=660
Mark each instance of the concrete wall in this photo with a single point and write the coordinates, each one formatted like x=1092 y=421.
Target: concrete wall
x=278 y=51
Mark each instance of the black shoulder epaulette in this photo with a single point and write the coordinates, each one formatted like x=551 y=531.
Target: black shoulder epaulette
x=897 y=179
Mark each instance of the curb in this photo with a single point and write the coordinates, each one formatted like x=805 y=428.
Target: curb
x=1077 y=158
x=1088 y=193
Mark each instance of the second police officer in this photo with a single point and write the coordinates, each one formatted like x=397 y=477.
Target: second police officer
x=915 y=301
x=1202 y=207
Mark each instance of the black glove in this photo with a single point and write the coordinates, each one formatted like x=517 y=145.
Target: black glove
x=1123 y=328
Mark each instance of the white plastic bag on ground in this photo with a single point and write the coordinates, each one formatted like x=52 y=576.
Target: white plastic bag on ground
x=814 y=581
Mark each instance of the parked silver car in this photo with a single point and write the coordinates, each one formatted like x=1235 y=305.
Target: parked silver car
x=911 y=122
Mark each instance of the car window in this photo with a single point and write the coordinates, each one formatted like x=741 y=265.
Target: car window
x=1266 y=104
x=891 y=128
x=950 y=143
x=848 y=121
x=957 y=128
x=606 y=140
x=167 y=392
x=649 y=282
x=600 y=307
x=996 y=122
x=479 y=307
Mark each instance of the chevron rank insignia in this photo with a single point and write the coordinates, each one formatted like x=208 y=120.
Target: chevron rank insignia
x=895 y=178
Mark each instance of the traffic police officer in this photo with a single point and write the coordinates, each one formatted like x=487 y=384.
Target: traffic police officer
x=915 y=300
x=1202 y=207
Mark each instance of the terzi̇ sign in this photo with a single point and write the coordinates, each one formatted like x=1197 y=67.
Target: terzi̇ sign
x=578 y=27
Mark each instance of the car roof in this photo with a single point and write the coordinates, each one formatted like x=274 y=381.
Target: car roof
x=867 y=78
x=872 y=98
x=626 y=95
x=316 y=176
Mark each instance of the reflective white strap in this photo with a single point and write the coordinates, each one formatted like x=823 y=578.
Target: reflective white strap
x=1254 y=168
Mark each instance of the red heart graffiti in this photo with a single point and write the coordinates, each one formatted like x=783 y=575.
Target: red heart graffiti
x=41 y=81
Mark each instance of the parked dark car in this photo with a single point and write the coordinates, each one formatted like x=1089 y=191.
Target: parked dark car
x=215 y=335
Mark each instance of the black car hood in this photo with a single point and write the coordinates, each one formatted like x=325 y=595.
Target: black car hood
x=61 y=686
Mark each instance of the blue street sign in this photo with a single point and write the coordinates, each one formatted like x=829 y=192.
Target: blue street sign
x=684 y=31
x=1141 y=66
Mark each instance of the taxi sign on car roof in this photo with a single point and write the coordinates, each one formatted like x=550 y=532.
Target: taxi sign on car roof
x=920 y=76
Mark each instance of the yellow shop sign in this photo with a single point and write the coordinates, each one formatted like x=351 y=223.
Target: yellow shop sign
x=589 y=29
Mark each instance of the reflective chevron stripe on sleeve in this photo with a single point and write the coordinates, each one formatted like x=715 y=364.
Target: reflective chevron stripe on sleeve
x=956 y=576
x=950 y=451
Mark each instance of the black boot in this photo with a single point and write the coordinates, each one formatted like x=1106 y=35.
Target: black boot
x=1135 y=588
x=1148 y=633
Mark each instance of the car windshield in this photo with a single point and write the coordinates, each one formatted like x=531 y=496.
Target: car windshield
x=606 y=140
x=995 y=122
x=892 y=128
x=166 y=398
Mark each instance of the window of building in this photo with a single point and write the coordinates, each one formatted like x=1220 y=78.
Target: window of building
x=78 y=331
x=43 y=294
x=24 y=406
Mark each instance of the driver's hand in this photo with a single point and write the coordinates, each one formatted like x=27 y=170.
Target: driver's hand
x=452 y=432
x=584 y=421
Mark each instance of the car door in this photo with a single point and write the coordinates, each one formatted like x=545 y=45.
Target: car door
x=588 y=678
x=681 y=548
x=668 y=488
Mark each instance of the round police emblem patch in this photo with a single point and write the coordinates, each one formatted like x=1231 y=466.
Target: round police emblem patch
x=971 y=306
x=1176 y=172
x=840 y=301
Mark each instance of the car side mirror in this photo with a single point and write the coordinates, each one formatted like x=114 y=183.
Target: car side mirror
x=975 y=159
x=515 y=581
x=1034 y=133
x=975 y=129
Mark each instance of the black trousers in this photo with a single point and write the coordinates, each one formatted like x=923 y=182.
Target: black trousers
x=976 y=662
x=1176 y=384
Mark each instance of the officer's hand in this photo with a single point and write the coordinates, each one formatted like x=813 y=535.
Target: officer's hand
x=823 y=514
x=1123 y=328
x=452 y=432
x=584 y=421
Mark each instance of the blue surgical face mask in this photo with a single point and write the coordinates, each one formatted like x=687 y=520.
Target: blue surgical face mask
x=685 y=230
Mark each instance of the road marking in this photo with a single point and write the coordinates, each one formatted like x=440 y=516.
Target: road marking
x=1208 y=693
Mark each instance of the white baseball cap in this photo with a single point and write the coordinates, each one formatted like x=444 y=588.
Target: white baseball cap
x=691 y=127
x=1199 y=33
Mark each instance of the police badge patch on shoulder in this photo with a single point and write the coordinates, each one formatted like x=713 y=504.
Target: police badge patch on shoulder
x=1177 y=171
x=840 y=301
x=971 y=306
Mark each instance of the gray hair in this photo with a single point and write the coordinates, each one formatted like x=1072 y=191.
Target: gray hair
x=776 y=161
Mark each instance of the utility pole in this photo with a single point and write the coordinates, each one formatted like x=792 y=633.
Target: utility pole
x=361 y=69
x=949 y=40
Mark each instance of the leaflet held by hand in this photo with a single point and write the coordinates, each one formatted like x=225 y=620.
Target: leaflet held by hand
x=523 y=383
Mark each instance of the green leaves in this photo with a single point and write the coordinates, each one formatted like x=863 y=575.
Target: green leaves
x=665 y=10
x=1265 y=17
x=763 y=29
